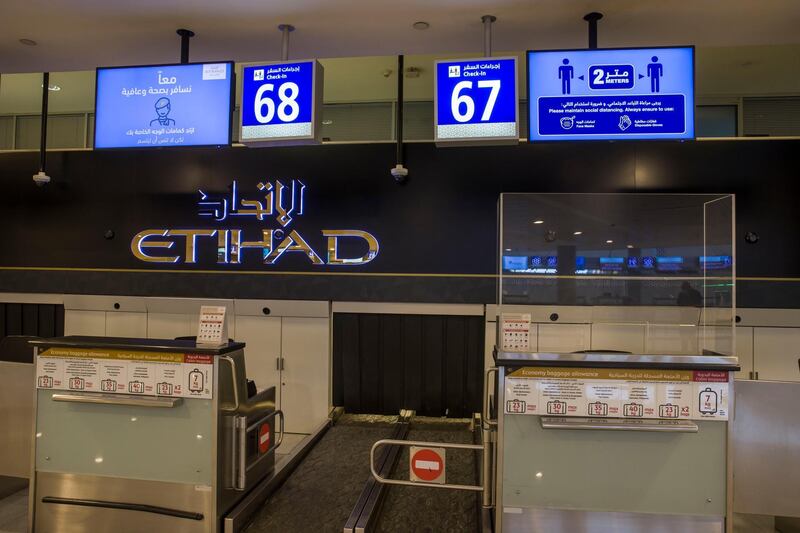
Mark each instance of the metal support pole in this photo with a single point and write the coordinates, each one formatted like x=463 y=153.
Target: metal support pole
x=592 y=19
x=399 y=115
x=43 y=139
x=185 y=36
x=487 y=34
x=286 y=29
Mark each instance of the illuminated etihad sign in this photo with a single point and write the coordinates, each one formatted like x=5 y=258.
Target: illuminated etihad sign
x=278 y=204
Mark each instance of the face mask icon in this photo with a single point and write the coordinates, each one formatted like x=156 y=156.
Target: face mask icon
x=567 y=122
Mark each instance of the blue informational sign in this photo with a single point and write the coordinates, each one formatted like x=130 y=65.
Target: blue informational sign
x=612 y=94
x=476 y=101
x=281 y=103
x=168 y=105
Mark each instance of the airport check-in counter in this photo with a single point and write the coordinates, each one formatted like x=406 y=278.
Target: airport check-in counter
x=145 y=435
x=626 y=443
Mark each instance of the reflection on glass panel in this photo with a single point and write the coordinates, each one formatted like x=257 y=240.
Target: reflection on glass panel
x=63 y=131
x=6 y=133
x=716 y=120
x=71 y=92
x=90 y=131
x=667 y=257
x=357 y=122
x=418 y=121
x=20 y=94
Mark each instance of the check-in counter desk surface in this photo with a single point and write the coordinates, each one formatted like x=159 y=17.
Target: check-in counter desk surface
x=624 y=442
x=144 y=434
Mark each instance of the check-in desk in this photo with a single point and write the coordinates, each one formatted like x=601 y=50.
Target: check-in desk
x=136 y=435
x=614 y=443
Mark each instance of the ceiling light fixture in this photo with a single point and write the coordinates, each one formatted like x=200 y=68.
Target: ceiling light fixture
x=508 y=249
x=609 y=241
x=630 y=246
x=420 y=25
x=578 y=233
x=28 y=42
x=538 y=221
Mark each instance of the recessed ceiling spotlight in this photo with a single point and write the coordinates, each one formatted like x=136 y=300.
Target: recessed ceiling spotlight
x=538 y=221
x=508 y=249
x=630 y=246
x=420 y=25
x=609 y=241
x=28 y=42
x=578 y=233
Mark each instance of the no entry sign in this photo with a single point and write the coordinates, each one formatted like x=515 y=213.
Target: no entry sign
x=263 y=438
x=427 y=465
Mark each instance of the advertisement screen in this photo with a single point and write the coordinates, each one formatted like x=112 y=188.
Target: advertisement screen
x=611 y=94
x=167 y=105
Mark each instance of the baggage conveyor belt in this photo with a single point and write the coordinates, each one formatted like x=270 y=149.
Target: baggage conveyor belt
x=321 y=493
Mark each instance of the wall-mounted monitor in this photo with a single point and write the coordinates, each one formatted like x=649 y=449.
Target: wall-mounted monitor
x=715 y=262
x=612 y=263
x=165 y=105
x=669 y=263
x=515 y=262
x=611 y=94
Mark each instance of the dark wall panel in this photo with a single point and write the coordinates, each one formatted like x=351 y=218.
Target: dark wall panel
x=431 y=364
x=441 y=222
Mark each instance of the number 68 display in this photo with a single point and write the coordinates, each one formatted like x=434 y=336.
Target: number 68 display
x=281 y=103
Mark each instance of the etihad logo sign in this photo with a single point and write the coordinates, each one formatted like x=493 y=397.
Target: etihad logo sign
x=277 y=204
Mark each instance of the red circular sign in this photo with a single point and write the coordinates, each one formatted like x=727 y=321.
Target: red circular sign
x=263 y=438
x=427 y=465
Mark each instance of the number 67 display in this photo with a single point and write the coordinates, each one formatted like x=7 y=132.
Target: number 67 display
x=476 y=101
x=281 y=103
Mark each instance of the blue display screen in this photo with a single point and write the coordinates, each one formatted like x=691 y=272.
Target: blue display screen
x=515 y=262
x=669 y=263
x=614 y=94
x=168 y=105
x=712 y=262
x=278 y=100
x=612 y=263
x=476 y=98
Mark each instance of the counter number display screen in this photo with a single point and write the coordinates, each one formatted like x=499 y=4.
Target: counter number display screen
x=611 y=94
x=476 y=101
x=166 y=105
x=281 y=102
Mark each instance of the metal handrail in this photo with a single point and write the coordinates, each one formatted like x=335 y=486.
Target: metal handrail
x=485 y=415
x=380 y=479
x=607 y=424
x=118 y=399
x=235 y=383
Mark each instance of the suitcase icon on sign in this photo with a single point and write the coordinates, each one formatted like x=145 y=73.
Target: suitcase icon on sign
x=108 y=385
x=708 y=401
x=45 y=382
x=76 y=383
x=136 y=387
x=196 y=379
x=633 y=409
x=515 y=406
x=164 y=389
x=598 y=409
x=668 y=410
x=556 y=407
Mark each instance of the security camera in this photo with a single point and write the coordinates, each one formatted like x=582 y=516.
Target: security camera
x=41 y=179
x=399 y=173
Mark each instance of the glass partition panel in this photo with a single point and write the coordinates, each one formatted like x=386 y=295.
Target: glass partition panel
x=655 y=270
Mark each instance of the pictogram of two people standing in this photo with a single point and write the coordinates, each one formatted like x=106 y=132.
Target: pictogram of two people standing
x=655 y=71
